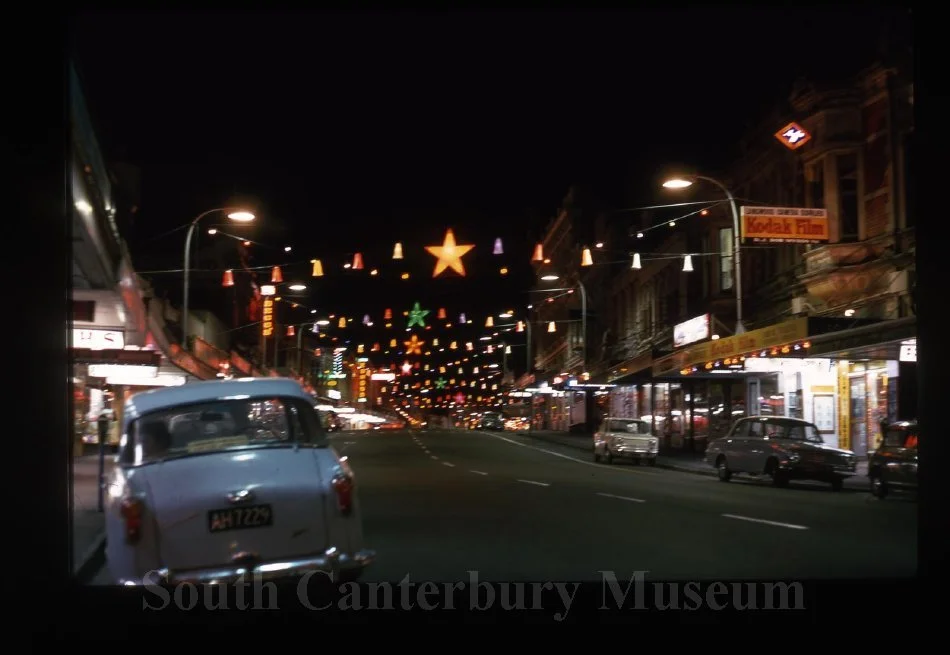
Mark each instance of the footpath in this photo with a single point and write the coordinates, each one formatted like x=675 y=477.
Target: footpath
x=675 y=460
x=89 y=535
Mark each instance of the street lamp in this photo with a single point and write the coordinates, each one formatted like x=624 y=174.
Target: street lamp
x=682 y=183
x=235 y=214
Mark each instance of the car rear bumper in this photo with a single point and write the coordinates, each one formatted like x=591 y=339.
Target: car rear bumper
x=333 y=562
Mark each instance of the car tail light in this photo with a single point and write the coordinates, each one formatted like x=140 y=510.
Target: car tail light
x=343 y=487
x=132 y=512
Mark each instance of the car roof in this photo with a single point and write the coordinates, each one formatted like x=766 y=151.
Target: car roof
x=196 y=392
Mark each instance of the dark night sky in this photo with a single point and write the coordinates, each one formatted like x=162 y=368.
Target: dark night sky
x=353 y=131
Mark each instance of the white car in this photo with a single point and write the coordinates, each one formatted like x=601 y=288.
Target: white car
x=625 y=438
x=219 y=479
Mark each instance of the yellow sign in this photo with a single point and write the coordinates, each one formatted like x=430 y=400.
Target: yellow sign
x=267 y=318
x=765 y=338
x=784 y=225
x=844 y=404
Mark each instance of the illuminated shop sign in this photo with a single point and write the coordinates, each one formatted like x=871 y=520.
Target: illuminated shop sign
x=267 y=318
x=98 y=339
x=691 y=331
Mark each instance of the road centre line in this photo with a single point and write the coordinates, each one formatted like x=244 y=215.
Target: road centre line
x=765 y=522
x=632 y=500
x=540 y=484
x=447 y=464
x=478 y=472
x=434 y=456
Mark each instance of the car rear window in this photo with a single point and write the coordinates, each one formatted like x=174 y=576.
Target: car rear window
x=219 y=425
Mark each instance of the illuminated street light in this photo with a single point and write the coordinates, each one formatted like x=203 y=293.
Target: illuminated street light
x=238 y=215
x=682 y=183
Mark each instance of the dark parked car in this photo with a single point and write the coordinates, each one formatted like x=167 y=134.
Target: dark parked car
x=893 y=466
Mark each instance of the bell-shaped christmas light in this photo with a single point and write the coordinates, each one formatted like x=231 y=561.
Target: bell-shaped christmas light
x=586 y=259
x=519 y=327
x=538 y=253
x=315 y=328
x=397 y=251
x=358 y=261
x=453 y=345
x=366 y=319
x=507 y=350
x=636 y=261
x=375 y=347
x=341 y=323
x=498 y=250
x=687 y=263
x=317 y=268
x=489 y=322
x=392 y=343
x=275 y=275
x=388 y=314
x=462 y=318
x=435 y=341
x=290 y=331
x=441 y=314
x=552 y=327
x=228 y=279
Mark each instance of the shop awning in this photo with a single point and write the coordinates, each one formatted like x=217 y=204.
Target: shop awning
x=882 y=340
x=797 y=337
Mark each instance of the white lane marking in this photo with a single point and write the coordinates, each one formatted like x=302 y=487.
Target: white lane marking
x=348 y=443
x=604 y=467
x=434 y=456
x=447 y=464
x=540 y=484
x=776 y=523
x=478 y=472
x=632 y=500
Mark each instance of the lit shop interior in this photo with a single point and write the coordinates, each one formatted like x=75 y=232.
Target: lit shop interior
x=846 y=393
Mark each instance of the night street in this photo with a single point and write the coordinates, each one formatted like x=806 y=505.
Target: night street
x=439 y=503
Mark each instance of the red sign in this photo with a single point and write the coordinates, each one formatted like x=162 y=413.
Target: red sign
x=793 y=136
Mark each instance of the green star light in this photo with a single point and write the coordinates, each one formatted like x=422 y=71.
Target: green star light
x=440 y=384
x=417 y=316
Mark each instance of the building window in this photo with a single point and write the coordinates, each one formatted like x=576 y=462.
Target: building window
x=725 y=259
x=909 y=214
x=84 y=311
x=848 y=197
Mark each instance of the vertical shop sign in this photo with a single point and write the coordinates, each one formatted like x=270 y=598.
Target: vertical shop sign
x=267 y=318
x=844 y=405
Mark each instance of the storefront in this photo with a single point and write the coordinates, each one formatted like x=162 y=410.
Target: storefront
x=794 y=369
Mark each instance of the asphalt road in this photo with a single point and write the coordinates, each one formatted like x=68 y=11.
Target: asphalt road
x=438 y=504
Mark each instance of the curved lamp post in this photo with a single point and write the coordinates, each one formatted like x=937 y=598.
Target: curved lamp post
x=682 y=183
x=235 y=214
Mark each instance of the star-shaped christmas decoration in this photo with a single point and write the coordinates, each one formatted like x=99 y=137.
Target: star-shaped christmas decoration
x=406 y=368
x=417 y=316
x=449 y=255
x=440 y=383
x=414 y=346
x=459 y=398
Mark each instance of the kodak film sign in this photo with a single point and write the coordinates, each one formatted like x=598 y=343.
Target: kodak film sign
x=784 y=225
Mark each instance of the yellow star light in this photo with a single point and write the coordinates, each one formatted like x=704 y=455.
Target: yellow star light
x=449 y=255
x=414 y=346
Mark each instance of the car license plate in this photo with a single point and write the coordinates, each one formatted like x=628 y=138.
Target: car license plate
x=240 y=518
